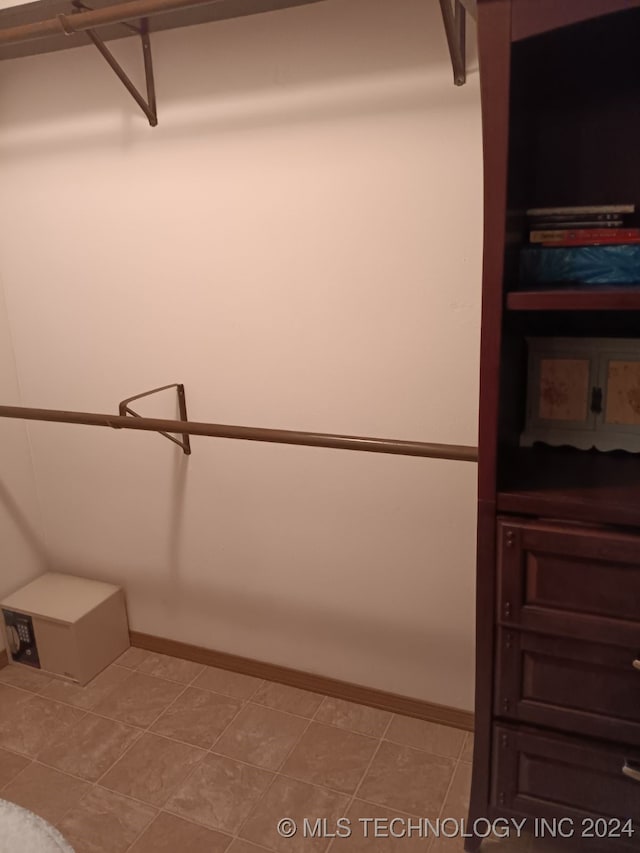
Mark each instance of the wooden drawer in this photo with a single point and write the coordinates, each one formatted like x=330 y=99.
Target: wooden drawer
x=568 y=581
x=568 y=684
x=547 y=776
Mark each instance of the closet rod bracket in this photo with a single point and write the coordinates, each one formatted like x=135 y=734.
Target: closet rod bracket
x=183 y=442
x=454 y=19
x=148 y=105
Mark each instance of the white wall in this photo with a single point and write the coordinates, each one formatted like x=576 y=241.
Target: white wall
x=22 y=551
x=299 y=242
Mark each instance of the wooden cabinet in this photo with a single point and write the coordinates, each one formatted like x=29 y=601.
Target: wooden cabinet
x=558 y=578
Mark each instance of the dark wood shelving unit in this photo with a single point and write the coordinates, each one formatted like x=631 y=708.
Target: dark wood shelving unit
x=575 y=299
x=557 y=712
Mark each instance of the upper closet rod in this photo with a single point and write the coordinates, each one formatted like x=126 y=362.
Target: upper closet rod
x=399 y=447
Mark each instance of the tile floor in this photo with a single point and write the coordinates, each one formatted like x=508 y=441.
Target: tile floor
x=159 y=754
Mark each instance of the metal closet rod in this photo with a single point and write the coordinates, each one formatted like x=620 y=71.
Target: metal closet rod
x=461 y=453
x=77 y=22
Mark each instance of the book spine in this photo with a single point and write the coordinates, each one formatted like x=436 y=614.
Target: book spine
x=581 y=210
x=587 y=218
x=585 y=243
x=585 y=236
x=572 y=226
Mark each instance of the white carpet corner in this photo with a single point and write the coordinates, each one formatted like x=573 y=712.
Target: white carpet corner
x=22 y=831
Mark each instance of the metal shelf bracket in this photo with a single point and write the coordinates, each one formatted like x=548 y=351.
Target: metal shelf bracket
x=454 y=16
x=148 y=105
x=183 y=442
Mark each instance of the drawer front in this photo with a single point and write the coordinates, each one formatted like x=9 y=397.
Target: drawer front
x=553 y=777
x=568 y=684
x=576 y=582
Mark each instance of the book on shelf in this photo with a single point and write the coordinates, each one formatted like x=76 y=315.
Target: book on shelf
x=584 y=236
x=581 y=211
x=582 y=225
x=563 y=224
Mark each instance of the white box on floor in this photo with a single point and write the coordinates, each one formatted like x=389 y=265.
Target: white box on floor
x=66 y=626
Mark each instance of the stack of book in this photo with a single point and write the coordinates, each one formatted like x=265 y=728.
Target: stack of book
x=602 y=225
x=587 y=245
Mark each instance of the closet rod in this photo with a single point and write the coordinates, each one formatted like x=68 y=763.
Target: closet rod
x=77 y=22
x=461 y=453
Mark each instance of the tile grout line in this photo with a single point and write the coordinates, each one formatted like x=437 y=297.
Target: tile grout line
x=248 y=699
x=207 y=751
x=448 y=788
x=33 y=759
x=146 y=730
x=131 y=669
x=19 y=773
x=257 y=704
x=276 y=773
x=318 y=709
x=364 y=775
x=444 y=800
x=464 y=743
x=162 y=808
x=402 y=812
x=142 y=831
x=279 y=772
x=142 y=731
x=370 y=763
x=428 y=751
x=242 y=704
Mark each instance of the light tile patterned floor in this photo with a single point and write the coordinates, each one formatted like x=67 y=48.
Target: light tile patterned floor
x=158 y=755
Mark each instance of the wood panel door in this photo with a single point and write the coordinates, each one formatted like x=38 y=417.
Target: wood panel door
x=569 y=581
x=570 y=685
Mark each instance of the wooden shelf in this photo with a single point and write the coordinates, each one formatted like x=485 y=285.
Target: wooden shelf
x=562 y=482
x=575 y=299
x=41 y=10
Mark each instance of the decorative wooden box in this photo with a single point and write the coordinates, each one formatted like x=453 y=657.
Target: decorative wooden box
x=584 y=392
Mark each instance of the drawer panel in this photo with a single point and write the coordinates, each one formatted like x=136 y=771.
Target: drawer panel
x=567 y=684
x=548 y=776
x=581 y=582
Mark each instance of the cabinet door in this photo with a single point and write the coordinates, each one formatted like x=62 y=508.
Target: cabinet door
x=562 y=778
x=569 y=685
x=570 y=581
x=563 y=373
x=619 y=423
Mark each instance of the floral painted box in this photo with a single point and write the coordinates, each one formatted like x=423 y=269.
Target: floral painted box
x=583 y=392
